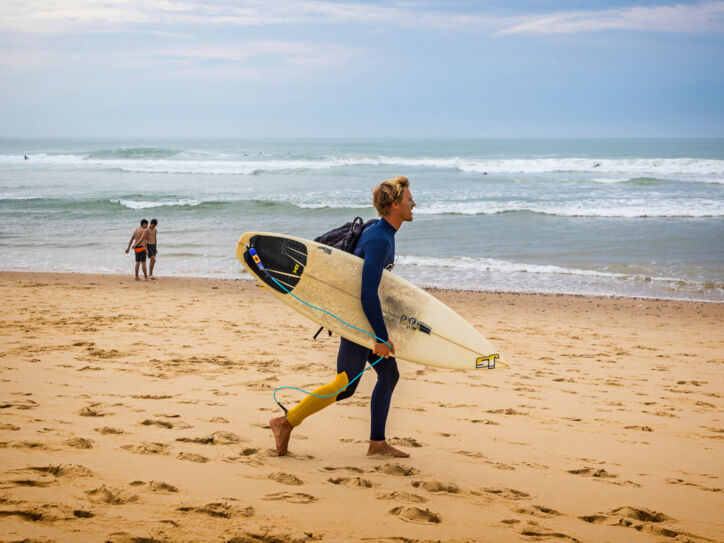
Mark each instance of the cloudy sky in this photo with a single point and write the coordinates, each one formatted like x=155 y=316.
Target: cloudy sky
x=324 y=68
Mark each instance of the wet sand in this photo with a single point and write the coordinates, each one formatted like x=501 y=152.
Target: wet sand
x=138 y=411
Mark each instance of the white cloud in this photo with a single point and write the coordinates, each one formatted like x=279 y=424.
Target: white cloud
x=63 y=16
x=681 y=18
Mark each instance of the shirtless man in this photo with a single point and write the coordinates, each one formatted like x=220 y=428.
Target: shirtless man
x=139 y=247
x=151 y=247
x=376 y=246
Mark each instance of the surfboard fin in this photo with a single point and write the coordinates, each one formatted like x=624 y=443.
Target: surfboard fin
x=320 y=329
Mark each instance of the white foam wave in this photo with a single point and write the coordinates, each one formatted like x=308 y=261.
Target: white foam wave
x=189 y=162
x=464 y=263
x=630 y=208
x=136 y=204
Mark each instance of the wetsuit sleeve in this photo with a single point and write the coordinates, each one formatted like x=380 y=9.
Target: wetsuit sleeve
x=375 y=255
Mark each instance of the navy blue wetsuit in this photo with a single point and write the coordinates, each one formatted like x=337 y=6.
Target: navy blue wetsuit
x=377 y=247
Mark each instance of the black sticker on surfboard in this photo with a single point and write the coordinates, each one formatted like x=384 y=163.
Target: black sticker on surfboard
x=284 y=259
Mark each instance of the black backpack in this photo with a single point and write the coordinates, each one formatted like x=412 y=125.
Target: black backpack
x=344 y=238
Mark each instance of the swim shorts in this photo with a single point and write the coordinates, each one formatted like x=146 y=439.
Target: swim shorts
x=140 y=254
x=151 y=249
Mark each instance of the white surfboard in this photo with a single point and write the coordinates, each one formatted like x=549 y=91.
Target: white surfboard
x=422 y=328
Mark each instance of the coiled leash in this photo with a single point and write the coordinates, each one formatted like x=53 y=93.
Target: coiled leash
x=255 y=257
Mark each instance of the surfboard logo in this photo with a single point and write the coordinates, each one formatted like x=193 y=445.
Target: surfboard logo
x=325 y=249
x=486 y=361
x=411 y=323
x=296 y=269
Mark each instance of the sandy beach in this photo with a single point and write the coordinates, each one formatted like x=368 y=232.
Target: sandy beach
x=138 y=412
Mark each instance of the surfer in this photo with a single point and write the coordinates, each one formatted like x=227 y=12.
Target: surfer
x=139 y=247
x=151 y=247
x=393 y=201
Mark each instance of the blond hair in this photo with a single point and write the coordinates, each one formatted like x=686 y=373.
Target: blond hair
x=387 y=193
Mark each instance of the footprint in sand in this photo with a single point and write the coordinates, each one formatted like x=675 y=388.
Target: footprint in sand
x=217 y=438
x=250 y=456
x=404 y=442
x=191 y=457
x=437 y=486
x=351 y=481
x=92 y=411
x=601 y=474
x=159 y=423
x=79 y=443
x=508 y=493
x=285 y=478
x=111 y=496
x=642 y=520
x=415 y=514
x=219 y=510
x=10 y=427
x=537 y=532
x=109 y=430
x=156 y=486
x=402 y=496
x=125 y=537
x=539 y=511
x=47 y=513
x=397 y=469
x=353 y=469
x=695 y=485
x=147 y=448
x=291 y=497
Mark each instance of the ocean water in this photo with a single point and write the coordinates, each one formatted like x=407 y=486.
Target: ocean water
x=638 y=217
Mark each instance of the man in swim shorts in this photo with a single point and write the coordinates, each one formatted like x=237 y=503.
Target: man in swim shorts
x=138 y=239
x=151 y=247
x=393 y=201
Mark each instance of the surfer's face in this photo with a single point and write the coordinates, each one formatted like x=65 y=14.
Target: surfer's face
x=406 y=205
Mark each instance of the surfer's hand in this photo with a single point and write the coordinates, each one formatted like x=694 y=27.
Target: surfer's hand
x=381 y=349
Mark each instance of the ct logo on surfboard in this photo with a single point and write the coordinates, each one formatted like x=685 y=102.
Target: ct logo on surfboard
x=486 y=361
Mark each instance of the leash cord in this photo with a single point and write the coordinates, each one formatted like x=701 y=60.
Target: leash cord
x=261 y=267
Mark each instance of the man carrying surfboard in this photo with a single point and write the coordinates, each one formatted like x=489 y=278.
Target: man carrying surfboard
x=393 y=201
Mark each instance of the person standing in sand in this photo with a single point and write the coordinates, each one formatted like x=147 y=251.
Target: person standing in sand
x=151 y=247
x=393 y=201
x=138 y=239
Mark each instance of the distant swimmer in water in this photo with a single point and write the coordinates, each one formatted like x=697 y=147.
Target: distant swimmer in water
x=597 y=165
x=27 y=157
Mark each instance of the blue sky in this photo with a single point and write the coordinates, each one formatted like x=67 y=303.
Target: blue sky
x=266 y=68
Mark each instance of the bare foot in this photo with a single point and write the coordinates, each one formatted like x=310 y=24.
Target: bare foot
x=382 y=447
x=138 y=278
x=282 y=432
x=151 y=277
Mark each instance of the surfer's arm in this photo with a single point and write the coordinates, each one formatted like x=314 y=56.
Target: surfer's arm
x=374 y=264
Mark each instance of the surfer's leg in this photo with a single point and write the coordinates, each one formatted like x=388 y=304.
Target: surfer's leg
x=323 y=396
x=351 y=359
x=387 y=377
